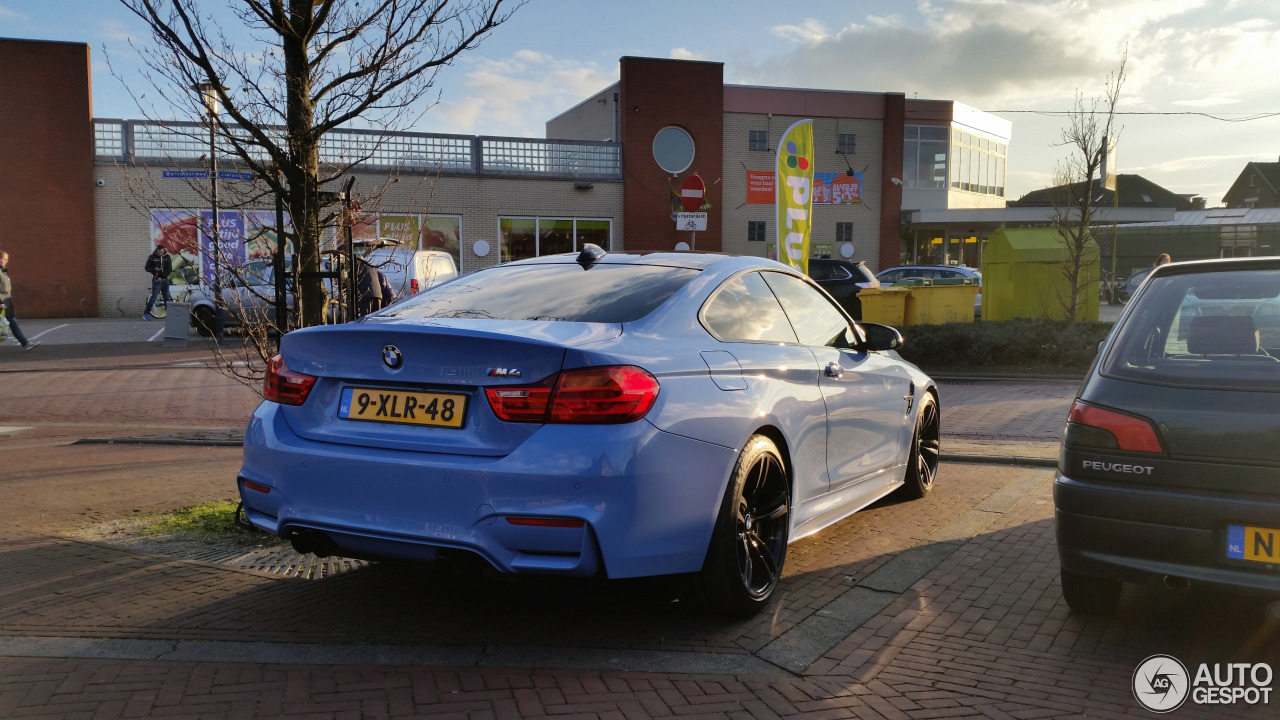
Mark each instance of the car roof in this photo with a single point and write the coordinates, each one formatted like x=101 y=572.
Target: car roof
x=1217 y=265
x=960 y=268
x=689 y=260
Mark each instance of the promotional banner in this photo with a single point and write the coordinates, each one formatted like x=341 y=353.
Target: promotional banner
x=760 y=187
x=794 y=194
x=179 y=232
x=400 y=229
x=260 y=234
x=230 y=242
x=837 y=188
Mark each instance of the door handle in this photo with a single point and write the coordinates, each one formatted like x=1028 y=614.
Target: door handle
x=833 y=370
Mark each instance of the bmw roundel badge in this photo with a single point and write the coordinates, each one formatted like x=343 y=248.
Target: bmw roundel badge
x=392 y=357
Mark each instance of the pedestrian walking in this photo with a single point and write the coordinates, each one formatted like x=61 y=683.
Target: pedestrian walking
x=158 y=266
x=6 y=301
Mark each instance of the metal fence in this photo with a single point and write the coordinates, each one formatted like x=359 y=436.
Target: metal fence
x=177 y=143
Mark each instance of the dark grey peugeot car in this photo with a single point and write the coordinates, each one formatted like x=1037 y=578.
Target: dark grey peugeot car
x=1170 y=462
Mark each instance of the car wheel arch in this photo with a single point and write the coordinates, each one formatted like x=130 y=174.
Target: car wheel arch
x=780 y=441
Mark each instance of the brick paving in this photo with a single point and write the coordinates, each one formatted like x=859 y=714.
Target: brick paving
x=984 y=633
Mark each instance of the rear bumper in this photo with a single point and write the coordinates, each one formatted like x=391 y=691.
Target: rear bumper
x=647 y=499
x=1134 y=533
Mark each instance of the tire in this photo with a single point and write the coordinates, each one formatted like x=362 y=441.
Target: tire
x=749 y=544
x=1090 y=595
x=160 y=309
x=202 y=320
x=922 y=465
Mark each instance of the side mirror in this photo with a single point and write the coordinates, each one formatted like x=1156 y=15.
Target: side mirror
x=882 y=337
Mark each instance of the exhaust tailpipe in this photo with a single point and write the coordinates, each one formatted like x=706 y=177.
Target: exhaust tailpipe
x=315 y=543
x=1174 y=582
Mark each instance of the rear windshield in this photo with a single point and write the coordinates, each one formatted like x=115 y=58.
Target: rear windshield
x=1218 y=330
x=604 y=293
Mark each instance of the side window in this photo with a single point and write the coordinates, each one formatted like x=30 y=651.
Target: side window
x=744 y=310
x=815 y=319
x=820 y=271
x=892 y=276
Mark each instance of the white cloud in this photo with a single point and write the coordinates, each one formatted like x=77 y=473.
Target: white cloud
x=810 y=32
x=686 y=54
x=514 y=95
x=1213 y=101
x=7 y=14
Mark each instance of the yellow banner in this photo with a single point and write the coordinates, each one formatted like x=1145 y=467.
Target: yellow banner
x=793 y=188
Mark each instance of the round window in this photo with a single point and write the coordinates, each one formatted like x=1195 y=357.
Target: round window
x=673 y=149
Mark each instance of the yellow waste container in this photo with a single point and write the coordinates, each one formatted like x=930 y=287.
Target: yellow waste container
x=884 y=305
x=935 y=303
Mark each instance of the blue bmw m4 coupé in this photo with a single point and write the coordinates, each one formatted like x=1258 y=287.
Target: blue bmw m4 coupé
x=614 y=415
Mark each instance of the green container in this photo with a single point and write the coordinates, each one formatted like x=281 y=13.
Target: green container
x=1022 y=276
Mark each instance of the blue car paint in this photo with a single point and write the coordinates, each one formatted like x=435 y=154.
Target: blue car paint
x=649 y=497
x=649 y=491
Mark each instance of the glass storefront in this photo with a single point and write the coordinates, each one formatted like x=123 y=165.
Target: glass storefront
x=532 y=237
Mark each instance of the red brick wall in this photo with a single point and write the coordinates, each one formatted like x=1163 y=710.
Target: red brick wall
x=895 y=114
x=654 y=94
x=46 y=178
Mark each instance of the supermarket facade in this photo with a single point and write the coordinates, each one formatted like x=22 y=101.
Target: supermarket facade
x=89 y=197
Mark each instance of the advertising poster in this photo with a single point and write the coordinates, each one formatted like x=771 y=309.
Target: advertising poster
x=399 y=229
x=443 y=232
x=760 y=187
x=793 y=189
x=179 y=232
x=365 y=230
x=837 y=188
x=260 y=234
x=230 y=242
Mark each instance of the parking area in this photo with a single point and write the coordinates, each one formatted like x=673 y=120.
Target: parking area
x=946 y=607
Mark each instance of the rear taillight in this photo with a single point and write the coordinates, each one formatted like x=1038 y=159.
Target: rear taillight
x=285 y=386
x=1130 y=432
x=413 y=285
x=547 y=522
x=614 y=394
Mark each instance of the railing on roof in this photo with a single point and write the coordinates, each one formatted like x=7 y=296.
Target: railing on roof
x=181 y=143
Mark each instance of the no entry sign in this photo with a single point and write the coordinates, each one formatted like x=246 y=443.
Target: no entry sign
x=691 y=193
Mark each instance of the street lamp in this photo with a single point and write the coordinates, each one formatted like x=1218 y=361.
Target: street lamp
x=209 y=95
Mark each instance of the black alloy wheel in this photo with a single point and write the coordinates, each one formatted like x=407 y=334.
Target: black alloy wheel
x=926 y=446
x=745 y=558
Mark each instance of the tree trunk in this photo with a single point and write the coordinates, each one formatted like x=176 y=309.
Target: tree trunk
x=304 y=175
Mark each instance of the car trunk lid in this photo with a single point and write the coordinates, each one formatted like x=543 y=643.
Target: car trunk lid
x=442 y=359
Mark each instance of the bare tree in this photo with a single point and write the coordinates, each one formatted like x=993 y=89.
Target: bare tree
x=1089 y=133
x=303 y=69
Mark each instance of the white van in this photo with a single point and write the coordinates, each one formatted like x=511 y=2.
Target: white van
x=412 y=271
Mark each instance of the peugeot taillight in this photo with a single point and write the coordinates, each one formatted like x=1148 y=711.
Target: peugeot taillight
x=285 y=386
x=1130 y=431
x=601 y=395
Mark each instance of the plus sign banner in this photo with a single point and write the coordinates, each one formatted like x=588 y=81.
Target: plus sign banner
x=794 y=188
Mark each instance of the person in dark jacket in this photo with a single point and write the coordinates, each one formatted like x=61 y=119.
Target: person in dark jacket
x=158 y=266
x=6 y=301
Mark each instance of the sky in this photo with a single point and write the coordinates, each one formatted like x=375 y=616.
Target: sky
x=1187 y=60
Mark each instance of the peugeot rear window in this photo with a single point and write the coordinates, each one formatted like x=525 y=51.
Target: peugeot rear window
x=603 y=293
x=1212 y=330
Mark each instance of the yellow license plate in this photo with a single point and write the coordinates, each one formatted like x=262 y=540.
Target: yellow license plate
x=1259 y=544
x=399 y=406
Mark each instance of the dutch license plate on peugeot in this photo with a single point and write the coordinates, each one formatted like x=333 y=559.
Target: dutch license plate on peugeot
x=1258 y=544
x=403 y=407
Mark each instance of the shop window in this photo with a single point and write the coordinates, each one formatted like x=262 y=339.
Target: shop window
x=756 y=230
x=759 y=141
x=846 y=143
x=532 y=237
x=844 y=232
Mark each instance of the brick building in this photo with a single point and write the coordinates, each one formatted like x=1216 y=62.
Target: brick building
x=86 y=199
x=46 y=177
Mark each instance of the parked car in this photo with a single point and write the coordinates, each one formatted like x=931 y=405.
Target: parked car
x=934 y=272
x=412 y=271
x=248 y=295
x=597 y=414
x=1170 y=455
x=843 y=279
